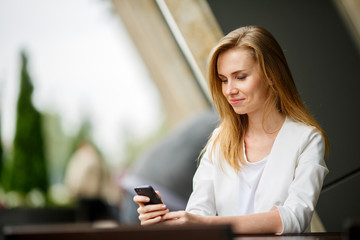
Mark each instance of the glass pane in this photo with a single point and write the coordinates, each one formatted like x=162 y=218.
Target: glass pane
x=84 y=67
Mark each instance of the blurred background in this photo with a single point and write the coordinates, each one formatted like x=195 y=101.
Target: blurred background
x=99 y=96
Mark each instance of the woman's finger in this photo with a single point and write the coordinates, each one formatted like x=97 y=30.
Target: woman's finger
x=174 y=215
x=181 y=217
x=141 y=199
x=151 y=208
x=151 y=221
x=150 y=215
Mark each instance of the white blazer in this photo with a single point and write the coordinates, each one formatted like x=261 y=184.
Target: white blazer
x=291 y=181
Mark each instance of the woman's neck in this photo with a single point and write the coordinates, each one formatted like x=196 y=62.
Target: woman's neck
x=271 y=124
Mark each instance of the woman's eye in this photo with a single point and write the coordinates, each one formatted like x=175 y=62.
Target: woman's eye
x=223 y=80
x=242 y=77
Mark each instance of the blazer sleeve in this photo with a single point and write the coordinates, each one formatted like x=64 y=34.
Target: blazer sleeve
x=304 y=190
x=202 y=199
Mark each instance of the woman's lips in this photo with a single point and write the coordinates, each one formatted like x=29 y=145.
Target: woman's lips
x=236 y=101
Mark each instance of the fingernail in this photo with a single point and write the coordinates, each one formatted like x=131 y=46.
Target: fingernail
x=163 y=206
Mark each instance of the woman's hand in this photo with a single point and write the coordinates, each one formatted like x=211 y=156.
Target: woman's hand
x=152 y=213
x=182 y=218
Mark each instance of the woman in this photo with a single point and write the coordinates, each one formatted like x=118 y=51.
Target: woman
x=263 y=168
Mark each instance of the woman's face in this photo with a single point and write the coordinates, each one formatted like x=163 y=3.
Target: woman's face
x=243 y=82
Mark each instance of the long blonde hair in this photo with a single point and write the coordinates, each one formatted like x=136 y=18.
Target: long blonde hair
x=282 y=91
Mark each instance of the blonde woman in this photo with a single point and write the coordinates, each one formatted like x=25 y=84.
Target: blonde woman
x=263 y=168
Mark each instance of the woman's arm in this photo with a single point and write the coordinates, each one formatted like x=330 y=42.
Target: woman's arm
x=266 y=222
x=303 y=192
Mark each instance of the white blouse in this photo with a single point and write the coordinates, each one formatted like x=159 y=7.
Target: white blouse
x=291 y=180
x=249 y=178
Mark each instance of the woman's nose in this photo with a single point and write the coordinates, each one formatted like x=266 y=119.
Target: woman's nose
x=231 y=88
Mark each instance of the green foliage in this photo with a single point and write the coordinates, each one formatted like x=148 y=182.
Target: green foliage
x=28 y=170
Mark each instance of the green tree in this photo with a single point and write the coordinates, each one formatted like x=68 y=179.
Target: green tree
x=28 y=169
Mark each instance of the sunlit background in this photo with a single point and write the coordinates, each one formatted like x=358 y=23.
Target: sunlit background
x=79 y=102
x=84 y=68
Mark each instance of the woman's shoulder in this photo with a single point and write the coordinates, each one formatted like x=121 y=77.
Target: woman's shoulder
x=301 y=131
x=212 y=148
x=299 y=127
x=213 y=136
x=296 y=138
x=216 y=131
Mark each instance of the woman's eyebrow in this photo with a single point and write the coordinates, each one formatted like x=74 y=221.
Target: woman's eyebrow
x=221 y=76
x=238 y=71
x=233 y=73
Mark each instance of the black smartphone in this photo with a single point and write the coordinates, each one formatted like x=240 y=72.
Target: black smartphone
x=149 y=192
